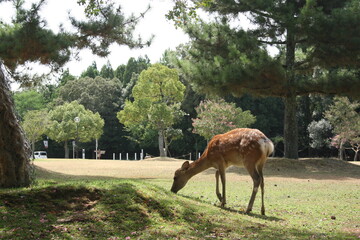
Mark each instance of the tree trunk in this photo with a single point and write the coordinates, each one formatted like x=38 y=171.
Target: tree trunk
x=290 y=128
x=161 y=144
x=66 y=147
x=356 y=157
x=32 y=149
x=290 y=120
x=14 y=149
x=342 y=151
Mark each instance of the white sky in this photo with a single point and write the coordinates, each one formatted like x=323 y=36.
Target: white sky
x=166 y=35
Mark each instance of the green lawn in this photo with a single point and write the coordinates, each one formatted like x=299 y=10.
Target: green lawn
x=304 y=205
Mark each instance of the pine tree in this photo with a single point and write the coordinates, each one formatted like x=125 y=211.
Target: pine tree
x=318 y=43
x=27 y=39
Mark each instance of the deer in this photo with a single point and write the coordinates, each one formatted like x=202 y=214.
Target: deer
x=243 y=147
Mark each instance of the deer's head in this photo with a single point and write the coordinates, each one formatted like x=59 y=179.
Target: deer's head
x=181 y=177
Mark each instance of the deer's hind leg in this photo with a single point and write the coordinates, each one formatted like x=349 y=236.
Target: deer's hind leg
x=262 y=189
x=257 y=180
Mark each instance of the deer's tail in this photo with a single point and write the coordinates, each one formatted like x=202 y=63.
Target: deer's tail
x=267 y=146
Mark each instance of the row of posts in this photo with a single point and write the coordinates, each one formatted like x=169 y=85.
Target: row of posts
x=142 y=156
x=135 y=155
x=127 y=156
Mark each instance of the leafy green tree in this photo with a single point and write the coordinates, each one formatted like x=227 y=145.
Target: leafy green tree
x=104 y=96
x=63 y=127
x=28 y=39
x=217 y=117
x=28 y=100
x=156 y=106
x=35 y=125
x=100 y=95
x=345 y=119
x=318 y=53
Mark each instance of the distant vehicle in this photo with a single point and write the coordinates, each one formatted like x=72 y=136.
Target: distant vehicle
x=40 y=154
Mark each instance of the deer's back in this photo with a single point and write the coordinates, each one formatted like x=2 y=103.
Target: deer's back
x=236 y=147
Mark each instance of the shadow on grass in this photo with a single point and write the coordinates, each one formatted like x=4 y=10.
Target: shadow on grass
x=312 y=168
x=128 y=208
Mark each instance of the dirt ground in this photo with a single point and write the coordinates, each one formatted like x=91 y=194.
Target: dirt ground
x=164 y=168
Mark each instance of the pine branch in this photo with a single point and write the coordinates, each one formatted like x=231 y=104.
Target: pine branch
x=272 y=42
x=142 y=15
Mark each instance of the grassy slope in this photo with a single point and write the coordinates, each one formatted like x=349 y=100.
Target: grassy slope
x=303 y=202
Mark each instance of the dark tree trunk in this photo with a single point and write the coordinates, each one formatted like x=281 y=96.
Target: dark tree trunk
x=66 y=147
x=161 y=144
x=356 y=157
x=290 y=128
x=290 y=121
x=342 y=151
x=14 y=149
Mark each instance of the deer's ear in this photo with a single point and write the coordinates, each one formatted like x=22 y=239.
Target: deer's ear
x=185 y=165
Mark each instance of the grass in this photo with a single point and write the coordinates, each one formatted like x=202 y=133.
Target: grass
x=307 y=199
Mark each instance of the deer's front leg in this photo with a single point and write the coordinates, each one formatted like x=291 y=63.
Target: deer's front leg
x=222 y=198
x=218 y=194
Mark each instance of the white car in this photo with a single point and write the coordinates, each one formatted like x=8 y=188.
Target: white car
x=40 y=154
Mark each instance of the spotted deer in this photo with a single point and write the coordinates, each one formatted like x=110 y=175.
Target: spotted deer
x=248 y=148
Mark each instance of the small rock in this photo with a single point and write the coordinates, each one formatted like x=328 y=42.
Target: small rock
x=333 y=217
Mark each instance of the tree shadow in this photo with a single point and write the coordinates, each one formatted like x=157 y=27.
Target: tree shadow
x=312 y=168
x=122 y=209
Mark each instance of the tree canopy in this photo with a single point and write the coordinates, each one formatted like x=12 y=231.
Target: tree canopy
x=35 y=124
x=63 y=126
x=28 y=39
x=345 y=119
x=217 y=117
x=317 y=52
x=157 y=97
x=28 y=100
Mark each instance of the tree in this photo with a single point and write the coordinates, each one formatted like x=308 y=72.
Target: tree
x=345 y=120
x=101 y=95
x=107 y=71
x=318 y=52
x=134 y=66
x=217 y=117
x=320 y=134
x=156 y=106
x=63 y=126
x=35 y=125
x=91 y=71
x=28 y=39
x=14 y=149
x=28 y=100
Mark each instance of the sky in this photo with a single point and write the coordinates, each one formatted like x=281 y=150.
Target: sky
x=166 y=36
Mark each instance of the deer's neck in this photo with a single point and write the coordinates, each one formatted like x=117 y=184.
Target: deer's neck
x=198 y=166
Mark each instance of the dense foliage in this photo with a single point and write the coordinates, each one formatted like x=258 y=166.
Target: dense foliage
x=156 y=106
x=35 y=125
x=217 y=117
x=317 y=50
x=28 y=39
x=313 y=57
x=72 y=121
x=345 y=119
